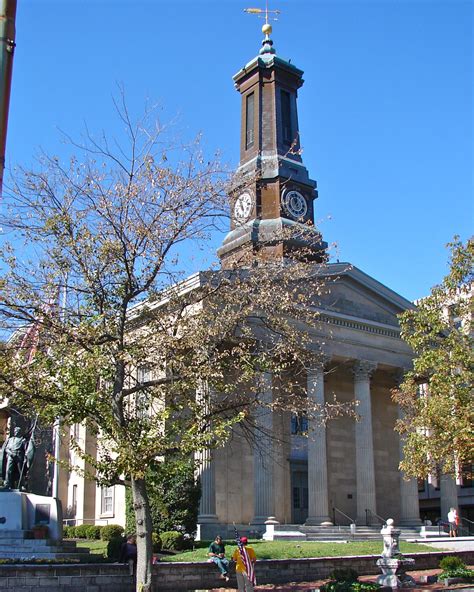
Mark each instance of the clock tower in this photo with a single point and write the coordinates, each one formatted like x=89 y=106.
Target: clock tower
x=272 y=199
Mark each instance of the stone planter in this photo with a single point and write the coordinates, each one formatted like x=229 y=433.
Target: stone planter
x=40 y=532
x=450 y=581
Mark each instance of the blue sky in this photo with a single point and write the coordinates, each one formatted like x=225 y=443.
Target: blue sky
x=385 y=113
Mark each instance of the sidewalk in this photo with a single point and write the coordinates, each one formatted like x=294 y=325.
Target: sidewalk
x=313 y=586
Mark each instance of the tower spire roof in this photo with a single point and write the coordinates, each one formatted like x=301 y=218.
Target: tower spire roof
x=268 y=15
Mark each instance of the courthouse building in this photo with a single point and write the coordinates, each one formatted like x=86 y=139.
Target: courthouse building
x=344 y=471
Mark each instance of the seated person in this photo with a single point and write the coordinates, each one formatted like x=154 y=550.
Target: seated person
x=217 y=555
x=128 y=552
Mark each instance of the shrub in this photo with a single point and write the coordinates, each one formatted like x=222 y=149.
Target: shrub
x=454 y=567
x=451 y=563
x=113 y=547
x=463 y=572
x=174 y=496
x=344 y=574
x=172 y=540
x=81 y=531
x=111 y=531
x=157 y=543
x=93 y=531
x=69 y=532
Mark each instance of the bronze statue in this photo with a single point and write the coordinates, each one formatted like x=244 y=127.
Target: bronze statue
x=15 y=458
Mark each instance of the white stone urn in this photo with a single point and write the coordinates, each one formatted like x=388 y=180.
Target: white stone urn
x=392 y=560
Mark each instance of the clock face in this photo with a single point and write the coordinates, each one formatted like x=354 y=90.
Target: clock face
x=295 y=204
x=243 y=207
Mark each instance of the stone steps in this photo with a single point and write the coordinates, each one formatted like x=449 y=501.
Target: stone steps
x=20 y=544
x=336 y=533
x=24 y=555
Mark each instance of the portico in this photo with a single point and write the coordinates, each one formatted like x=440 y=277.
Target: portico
x=348 y=468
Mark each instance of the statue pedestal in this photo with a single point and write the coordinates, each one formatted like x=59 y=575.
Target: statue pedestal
x=390 y=578
x=393 y=561
x=21 y=511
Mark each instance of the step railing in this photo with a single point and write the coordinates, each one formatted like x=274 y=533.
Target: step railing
x=469 y=523
x=368 y=518
x=334 y=510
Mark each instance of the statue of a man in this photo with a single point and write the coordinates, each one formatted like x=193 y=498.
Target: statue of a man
x=13 y=456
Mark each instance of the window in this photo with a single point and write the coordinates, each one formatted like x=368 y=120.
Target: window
x=421 y=484
x=286 y=117
x=467 y=476
x=296 y=498
x=107 y=501
x=299 y=424
x=74 y=500
x=249 y=120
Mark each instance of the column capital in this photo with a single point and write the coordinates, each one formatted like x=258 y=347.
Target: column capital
x=318 y=363
x=363 y=369
x=398 y=375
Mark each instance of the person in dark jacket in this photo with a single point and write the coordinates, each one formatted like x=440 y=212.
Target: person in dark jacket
x=128 y=552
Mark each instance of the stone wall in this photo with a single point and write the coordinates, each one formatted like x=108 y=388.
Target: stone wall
x=189 y=576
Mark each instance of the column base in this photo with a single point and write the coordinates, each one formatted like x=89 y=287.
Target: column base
x=207 y=530
x=318 y=521
x=207 y=518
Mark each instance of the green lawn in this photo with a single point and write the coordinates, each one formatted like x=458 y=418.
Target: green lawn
x=277 y=549
x=299 y=549
x=96 y=547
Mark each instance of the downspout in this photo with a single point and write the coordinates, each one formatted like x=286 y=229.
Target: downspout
x=7 y=39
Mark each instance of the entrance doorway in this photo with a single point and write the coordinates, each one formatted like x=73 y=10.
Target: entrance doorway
x=299 y=495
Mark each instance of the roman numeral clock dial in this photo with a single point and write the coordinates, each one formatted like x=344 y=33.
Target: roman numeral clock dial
x=243 y=207
x=295 y=204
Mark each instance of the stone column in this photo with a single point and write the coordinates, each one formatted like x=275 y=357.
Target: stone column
x=409 y=499
x=206 y=470
x=264 y=503
x=318 y=497
x=449 y=495
x=207 y=504
x=365 y=471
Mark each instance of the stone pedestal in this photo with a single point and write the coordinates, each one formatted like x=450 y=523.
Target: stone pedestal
x=270 y=524
x=21 y=511
x=392 y=560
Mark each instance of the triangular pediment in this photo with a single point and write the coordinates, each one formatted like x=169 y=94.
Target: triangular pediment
x=353 y=293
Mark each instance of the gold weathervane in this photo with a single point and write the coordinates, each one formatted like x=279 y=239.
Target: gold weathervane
x=264 y=13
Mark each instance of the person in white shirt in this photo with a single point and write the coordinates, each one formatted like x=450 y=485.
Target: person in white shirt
x=453 y=522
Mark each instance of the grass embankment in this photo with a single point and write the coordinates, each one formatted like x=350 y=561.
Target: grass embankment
x=278 y=549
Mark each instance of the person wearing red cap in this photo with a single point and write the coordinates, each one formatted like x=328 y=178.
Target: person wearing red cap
x=245 y=559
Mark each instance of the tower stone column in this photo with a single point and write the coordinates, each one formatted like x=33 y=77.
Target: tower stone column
x=409 y=500
x=318 y=496
x=365 y=471
x=264 y=501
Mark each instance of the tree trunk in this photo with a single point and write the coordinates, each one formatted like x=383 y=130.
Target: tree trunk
x=144 y=528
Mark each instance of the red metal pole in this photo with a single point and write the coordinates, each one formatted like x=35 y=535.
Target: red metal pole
x=7 y=48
